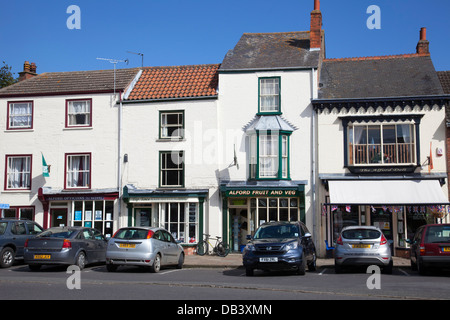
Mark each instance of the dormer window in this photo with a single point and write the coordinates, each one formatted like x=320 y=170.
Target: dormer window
x=269 y=95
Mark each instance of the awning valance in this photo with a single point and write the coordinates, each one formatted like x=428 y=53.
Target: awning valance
x=386 y=192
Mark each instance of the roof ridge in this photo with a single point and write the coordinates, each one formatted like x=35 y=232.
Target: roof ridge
x=280 y=32
x=183 y=66
x=383 y=57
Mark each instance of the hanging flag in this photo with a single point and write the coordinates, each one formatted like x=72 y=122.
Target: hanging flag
x=45 y=171
x=430 y=160
x=348 y=208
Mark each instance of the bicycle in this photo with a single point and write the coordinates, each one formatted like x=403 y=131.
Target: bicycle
x=220 y=248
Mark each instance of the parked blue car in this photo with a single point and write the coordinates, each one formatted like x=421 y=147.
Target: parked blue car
x=280 y=246
x=13 y=234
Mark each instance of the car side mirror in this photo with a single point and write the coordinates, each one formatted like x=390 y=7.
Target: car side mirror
x=307 y=235
x=249 y=237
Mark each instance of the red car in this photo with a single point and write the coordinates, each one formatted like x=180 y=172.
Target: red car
x=430 y=247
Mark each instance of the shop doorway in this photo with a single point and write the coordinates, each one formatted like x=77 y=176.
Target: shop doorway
x=58 y=217
x=240 y=228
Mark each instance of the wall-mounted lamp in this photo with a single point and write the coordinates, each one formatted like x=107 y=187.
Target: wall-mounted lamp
x=125 y=158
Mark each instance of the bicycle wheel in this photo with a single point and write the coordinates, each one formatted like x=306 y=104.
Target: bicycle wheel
x=202 y=248
x=222 y=249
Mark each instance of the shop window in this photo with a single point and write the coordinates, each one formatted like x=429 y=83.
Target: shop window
x=18 y=172
x=381 y=144
x=26 y=213
x=94 y=214
x=274 y=209
x=181 y=220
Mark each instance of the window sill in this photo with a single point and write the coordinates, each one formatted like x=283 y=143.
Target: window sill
x=19 y=130
x=77 y=128
x=170 y=140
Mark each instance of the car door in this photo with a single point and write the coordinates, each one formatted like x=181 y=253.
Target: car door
x=88 y=243
x=160 y=244
x=172 y=248
x=415 y=244
x=307 y=242
x=100 y=245
x=19 y=236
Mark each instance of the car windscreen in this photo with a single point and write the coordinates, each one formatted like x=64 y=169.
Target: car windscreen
x=57 y=233
x=359 y=234
x=277 y=231
x=3 y=226
x=437 y=234
x=130 y=233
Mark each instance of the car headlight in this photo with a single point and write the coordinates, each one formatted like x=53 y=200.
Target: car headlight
x=291 y=246
x=249 y=247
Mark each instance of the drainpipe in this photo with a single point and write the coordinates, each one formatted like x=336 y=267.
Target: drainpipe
x=119 y=156
x=313 y=154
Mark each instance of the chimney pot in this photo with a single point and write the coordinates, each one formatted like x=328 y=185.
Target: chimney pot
x=29 y=71
x=423 y=33
x=316 y=4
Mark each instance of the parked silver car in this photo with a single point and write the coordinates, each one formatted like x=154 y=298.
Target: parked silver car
x=65 y=246
x=143 y=246
x=362 y=245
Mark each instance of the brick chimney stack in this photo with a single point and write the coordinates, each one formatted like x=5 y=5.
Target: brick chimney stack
x=423 y=46
x=29 y=71
x=315 y=35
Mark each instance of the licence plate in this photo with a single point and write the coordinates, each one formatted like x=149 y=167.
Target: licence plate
x=270 y=259
x=42 y=256
x=361 y=246
x=127 y=245
x=446 y=249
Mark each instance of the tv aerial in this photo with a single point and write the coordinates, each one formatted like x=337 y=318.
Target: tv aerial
x=139 y=54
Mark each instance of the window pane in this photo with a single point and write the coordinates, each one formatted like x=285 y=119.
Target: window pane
x=19 y=173
x=79 y=113
x=78 y=171
x=20 y=115
x=269 y=95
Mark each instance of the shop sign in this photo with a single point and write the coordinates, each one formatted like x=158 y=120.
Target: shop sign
x=261 y=193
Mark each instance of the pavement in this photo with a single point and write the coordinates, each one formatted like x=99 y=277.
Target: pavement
x=234 y=260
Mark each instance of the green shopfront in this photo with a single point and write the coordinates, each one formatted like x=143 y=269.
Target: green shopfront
x=248 y=204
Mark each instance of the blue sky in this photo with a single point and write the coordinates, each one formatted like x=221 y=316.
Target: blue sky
x=181 y=32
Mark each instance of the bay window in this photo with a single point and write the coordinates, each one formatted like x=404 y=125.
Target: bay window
x=384 y=143
x=269 y=155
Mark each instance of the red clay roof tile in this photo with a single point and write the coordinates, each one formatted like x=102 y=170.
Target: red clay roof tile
x=176 y=82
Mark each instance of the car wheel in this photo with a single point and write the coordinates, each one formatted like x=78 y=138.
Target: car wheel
x=81 y=261
x=337 y=268
x=180 y=261
x=7 y=257
x=249 y=272
x=156 y=266
x=388 y=268
x=413 y=265
x=312 y=265
x=302 y=266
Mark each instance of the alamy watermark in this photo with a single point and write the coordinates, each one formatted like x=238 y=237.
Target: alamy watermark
x=74 y=280
x=374 y=280
x=74 y=20
x=374 y=21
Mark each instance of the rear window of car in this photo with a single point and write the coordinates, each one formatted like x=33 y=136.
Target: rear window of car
x=359 y=234
x=437 y=234
x=129 y=233
x=272 y=232
x=56 y=234
x=3 y=226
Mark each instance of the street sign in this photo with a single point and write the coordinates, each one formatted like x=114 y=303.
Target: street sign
x=4 y=206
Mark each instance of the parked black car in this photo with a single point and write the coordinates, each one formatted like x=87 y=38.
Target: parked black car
x=65 y=246
x=430 y=247
x=280 y=246
x=13 y=234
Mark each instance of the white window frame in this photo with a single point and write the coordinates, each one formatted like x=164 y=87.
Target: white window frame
x=18 y=178
x=72 y=172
